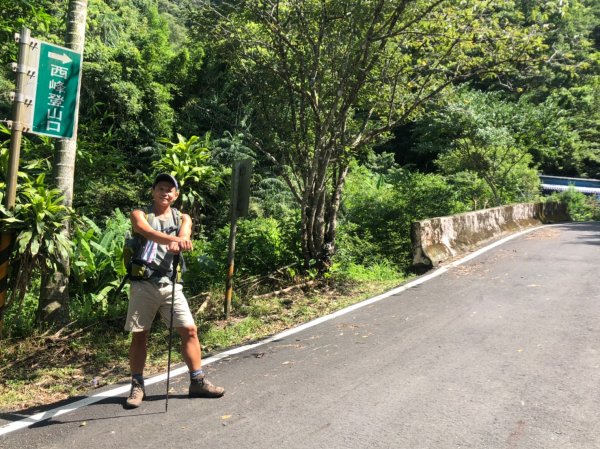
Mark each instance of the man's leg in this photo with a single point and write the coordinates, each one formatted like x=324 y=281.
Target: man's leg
x=137 y=360
x=144 y=302
x=191 y=352
x=190 y=347
x=138 y=351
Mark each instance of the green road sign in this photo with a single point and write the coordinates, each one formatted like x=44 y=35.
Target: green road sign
x=56 y=95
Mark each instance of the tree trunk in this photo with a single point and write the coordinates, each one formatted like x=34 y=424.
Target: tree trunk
x=334 y=207
x=313 y=228
x=319 y=218
x=54 y=293
x=54 y=297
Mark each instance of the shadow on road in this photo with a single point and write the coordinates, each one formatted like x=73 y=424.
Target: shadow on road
x=584 y=226
x=25 y=413
x=117 y=400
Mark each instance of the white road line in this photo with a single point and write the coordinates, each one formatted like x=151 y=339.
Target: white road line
x=38 y=417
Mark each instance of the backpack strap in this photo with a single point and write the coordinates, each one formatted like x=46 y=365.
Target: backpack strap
x=181 y=267
x=150 y=215
x=176 y=219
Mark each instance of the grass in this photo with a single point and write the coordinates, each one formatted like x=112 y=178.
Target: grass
x=44 y=369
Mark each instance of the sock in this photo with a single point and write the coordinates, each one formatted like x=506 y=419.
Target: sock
x=196 y=374
x=139 y=378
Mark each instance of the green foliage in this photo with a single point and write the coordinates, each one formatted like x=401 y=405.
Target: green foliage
x=324 y=80
x=471 y=190
x=574 y=148
x=425 y=195
x=488 y=130
x=263 y=246
x=125 y=73
x=97 y=267
x=37 y=223
x=580 y=207
x=187 y=160
x=476 y=132
x=273 y=198
x=216 y=337
x=378 y=271
x=42 y=17
x=549 y=133
x=37 y=219
x=569 y=34
x=378 y=212
x=20 y=319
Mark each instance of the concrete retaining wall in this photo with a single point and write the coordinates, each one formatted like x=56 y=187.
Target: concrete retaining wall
x=439 y=239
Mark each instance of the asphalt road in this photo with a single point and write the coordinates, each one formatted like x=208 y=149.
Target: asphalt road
x=497 y=352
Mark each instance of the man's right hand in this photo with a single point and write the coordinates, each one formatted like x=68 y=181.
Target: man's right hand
x=186 y=245
x=182 y=244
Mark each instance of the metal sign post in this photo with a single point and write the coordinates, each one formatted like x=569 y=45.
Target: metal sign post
x=240 y=199
x=24 y=73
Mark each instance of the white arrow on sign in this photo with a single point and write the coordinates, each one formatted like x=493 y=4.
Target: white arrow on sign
x=63 y=58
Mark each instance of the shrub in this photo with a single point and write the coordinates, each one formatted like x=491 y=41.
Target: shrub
x=263 y=245
x=378 y=271
x=36 y=223
x=579 y=206
x=97 y=267
x=379 y=210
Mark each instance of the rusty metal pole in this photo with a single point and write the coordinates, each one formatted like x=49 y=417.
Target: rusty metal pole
x=6 y=238
x=232 y=234
x=16 y=126
x=6 y=241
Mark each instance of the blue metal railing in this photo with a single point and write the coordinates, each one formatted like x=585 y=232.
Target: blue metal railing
x=561 y=183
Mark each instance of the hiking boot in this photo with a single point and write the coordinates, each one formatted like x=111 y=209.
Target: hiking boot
x=202 y=388
x=136 y=396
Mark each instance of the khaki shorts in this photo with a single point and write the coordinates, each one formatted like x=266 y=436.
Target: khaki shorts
x=147 y=298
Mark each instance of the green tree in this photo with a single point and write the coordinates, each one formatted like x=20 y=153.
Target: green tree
x=188 y=161
x=580 y=207
x=54 y=293
x=135 y=62
x=327 y=79
x=482 y=133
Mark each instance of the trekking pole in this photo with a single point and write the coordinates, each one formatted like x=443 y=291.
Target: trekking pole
x=174 y=281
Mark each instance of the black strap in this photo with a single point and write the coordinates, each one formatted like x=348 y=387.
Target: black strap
x=120 y=287
x=157 y=272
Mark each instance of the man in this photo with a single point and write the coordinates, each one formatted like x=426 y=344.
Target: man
x=163 y=232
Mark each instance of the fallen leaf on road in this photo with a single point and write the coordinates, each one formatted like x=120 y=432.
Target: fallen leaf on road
x=226 y=417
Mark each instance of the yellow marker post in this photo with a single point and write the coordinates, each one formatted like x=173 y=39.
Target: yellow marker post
x=5 y=248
